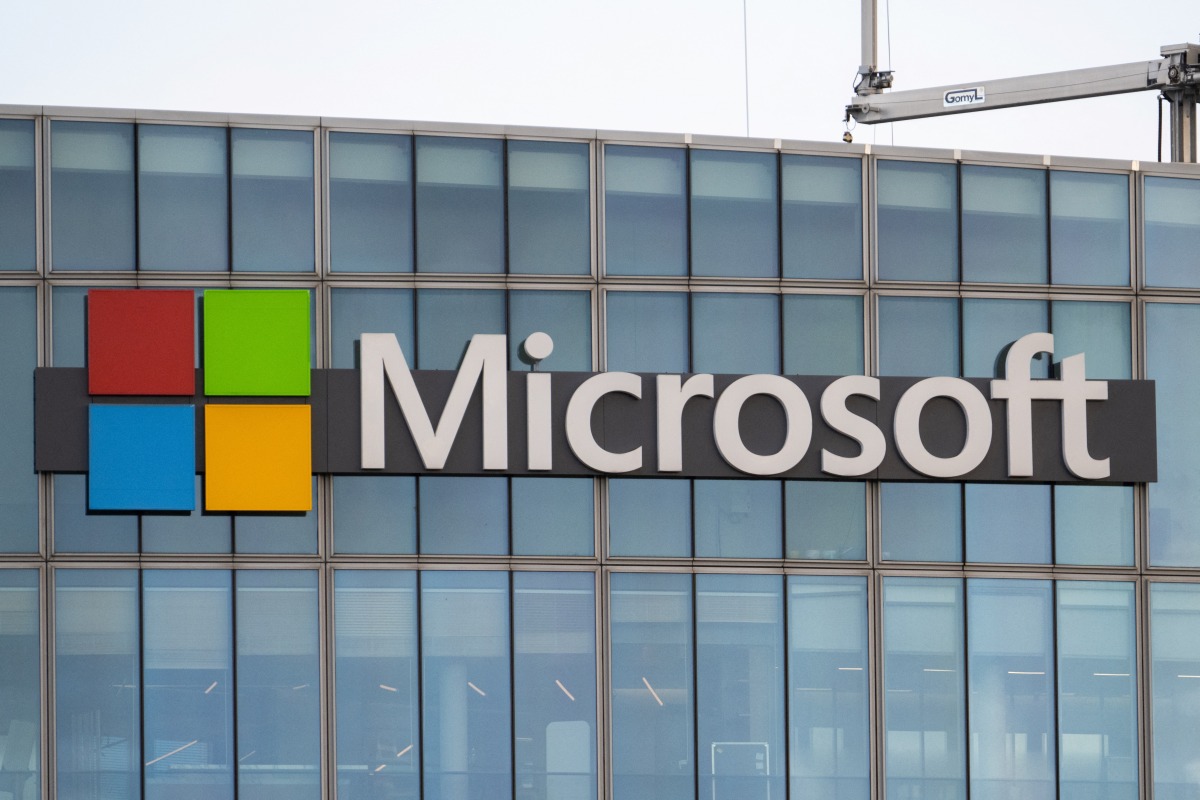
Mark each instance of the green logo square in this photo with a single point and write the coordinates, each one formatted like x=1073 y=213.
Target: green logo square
x=256 y=342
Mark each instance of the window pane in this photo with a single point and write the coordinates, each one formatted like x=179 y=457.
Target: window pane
x=739 y=685
x=921 y=521
x=734 y=214
x=1004 y=225
x=448 y=318
x=370 y=203
x=645 y=211
x=566 y=316
x=69 y=322
x=652 y=680
x=1093 y=525
x=738 y=518
x=354 y=312
x=828 y=670
x=183 y=202
x=1175 y=663
x=279 y=679
x=187 y=646
x=76 y=531
x=277 y=533
x=1010 y=638
x=91 y=198
x=1172 y=231
x=822 y=217
x=377 y=688
x=918 y=336
x=272 y=200
x=466 y=686
x=20 y=681
x=1099 y=330
x=647 y=331
x=375 y=514
x=463 y=515
x=460 y=205
x=554 y=666
x=822 y=334
x=97 y=685
x=826 y=519
x=650 y=517
x=1008 y=523
x=924 y=699
x=195 y=532
x=917 y=237
x=1089 y=228
x=18 y=195
x=553 y=517
x=549 y=208
x=18 y=358
x=1097 y=691
x=990 y=326
x=735 y=333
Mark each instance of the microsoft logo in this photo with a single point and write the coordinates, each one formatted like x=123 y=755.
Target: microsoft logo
x=142 y=455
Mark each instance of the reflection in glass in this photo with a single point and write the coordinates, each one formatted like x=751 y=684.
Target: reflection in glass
x=460 y=205
x=463 y=515
x=735 y=334
x=738 y=518
x=822 y=334
x=554 y=691
x=652 y=687
x=990 y=326
x=1093 y=525
x=918 y=336
x=734 y=214
x=645 y=211
x=278 y=685
x=76 y=531
x=91 y=198
x=822 y=217
x=650 y=517
x=1089 y=228
x=553 y=516
x=18 y=358
x=1004 y=225
x=828 y=671
x=1010 y=634
x=566 y=316
x=18 y=195
x=277 y=533
x=826 y=520
x=183 y=202
x=647 y=331
x=924 y=698
x=378 y=712
x=921 y=521
x=1172 y=231
x=370 y=202
x=20 y=683
x=1008 y=523
x=466 y=691
x=448 y=318
x=375 y=514
x=97 y=687
x=272 y=200
x=549 y=208
x=917 y=225
x=1175 y=665
x=354 y=312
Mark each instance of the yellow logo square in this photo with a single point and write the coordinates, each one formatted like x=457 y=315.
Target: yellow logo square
x=258 y=457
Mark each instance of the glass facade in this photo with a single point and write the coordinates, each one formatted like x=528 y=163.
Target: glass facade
x=575 y=638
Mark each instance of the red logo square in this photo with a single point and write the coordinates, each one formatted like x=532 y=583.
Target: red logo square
x=141 y=342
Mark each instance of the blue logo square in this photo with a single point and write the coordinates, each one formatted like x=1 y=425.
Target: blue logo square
x=142 y=458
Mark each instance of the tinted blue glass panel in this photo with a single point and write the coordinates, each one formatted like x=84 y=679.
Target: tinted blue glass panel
x=549 y=208
x=1089 y=228
x=735 y=333
x=278 y=685
x=1098 y=330
x=18 y=358
x=828 y=674
x=1097 y=691
x=377 y=687
x=277 y=533
x=554 y=687
x=652 y=687
x=187 y=665
x=463 y=515
x=91 y=198
x=272 y=200
x=69 y=324
x=918 y=336
x=76 y=531
x=460 y=205
x=448 y=318
x=1010 y=635
x=647 y=331
x=183 y=198
x=990 y=326
x=358 y=311
x=375 y=514
x=1172 y=231
x=917 y=225
x=370 y=203
x=466 y=690
x=735 y=214
x=825 y=520
x=921 y=521
x=650 y=517
x=822 y=334
x=645 y=210
x=1093 y=525
x=20 y=682
x=822 y=217
x=740 y=684
x=1008 y=523
x=195 y=532
x=738 y=519
x=566 y=316
x=97 y=685
x=1004 y=225
x=925 y=745
x=18 y=195
x=553 y=517
x=1175 y=663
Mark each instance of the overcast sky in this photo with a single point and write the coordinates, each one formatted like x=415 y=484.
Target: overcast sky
x=640 y=65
